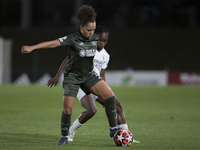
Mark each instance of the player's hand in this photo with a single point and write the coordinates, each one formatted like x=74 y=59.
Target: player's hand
x=53 y=82
x=26 y=49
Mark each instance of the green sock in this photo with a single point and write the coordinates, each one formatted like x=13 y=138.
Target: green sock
x=110 y=108
x=65 y=123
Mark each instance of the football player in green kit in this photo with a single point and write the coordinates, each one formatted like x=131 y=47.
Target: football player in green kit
x=79 y=70
x=100 y=61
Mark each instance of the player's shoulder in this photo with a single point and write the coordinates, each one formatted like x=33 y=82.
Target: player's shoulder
x=68 y=37
x=74 y=35
x=105 y=52
x=95 y=37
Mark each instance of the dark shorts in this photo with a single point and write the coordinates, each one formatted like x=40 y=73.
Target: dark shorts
x=72 y=83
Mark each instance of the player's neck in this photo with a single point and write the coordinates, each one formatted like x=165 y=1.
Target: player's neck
x=98 y=49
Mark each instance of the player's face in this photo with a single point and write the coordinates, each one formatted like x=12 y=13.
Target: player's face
x=88 y=30
x=103 y=39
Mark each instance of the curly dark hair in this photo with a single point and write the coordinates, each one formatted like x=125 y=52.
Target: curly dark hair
x=101 y=29
x=86 y=14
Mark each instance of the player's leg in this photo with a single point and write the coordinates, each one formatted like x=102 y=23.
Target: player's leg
x=68 y=104
x=88 y=103
x=70 y=90
x=102 y=90
x=120 y=115
x=121 y=119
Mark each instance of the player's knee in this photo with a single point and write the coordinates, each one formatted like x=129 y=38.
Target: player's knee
x=67 y=110
x=91 y=112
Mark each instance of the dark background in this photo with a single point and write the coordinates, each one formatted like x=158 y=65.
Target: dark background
x=144 y=34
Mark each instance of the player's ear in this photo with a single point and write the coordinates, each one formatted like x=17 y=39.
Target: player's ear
x=81 y=27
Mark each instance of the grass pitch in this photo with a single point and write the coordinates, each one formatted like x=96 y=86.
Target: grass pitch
x=161 y=118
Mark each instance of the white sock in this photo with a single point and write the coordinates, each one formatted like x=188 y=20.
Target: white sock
x=64 y=136
x=76 y=124
x=123 y=126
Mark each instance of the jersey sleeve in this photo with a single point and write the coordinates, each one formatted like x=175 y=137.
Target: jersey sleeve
x=65 y=41
x=105 y=64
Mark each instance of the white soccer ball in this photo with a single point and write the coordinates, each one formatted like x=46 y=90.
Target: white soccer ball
x=123 y=137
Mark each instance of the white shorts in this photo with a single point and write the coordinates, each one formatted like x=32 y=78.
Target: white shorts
x=81 y=94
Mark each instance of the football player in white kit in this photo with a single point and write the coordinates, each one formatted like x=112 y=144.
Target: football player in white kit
x=100 y=61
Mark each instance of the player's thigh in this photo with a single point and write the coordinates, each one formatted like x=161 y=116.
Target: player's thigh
x=100 y=101
x=70 y=86
x=102 y=90
x=88 y=103
x=80 y=94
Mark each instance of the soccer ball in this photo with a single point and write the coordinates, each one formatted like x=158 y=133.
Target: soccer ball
x=123 y=137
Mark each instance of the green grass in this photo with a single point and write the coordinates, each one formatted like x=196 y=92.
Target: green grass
x=161 y=118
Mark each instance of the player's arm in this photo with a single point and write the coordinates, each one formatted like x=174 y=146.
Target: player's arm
x=102 y=74
x=53 y=81
x=43 y=45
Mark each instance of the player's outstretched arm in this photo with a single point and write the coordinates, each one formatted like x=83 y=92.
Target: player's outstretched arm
x=53 y=81
x=43 y=45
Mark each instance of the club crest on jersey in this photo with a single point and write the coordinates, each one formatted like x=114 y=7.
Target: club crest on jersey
x=87 y=53
x=82 y=53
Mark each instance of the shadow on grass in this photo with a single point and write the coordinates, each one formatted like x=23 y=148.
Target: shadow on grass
x=23 y=139
x=38 y=141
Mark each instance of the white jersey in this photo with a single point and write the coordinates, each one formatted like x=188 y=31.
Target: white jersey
x=101 y=60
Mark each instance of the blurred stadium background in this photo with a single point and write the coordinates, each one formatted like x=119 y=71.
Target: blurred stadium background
x=151 y=41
